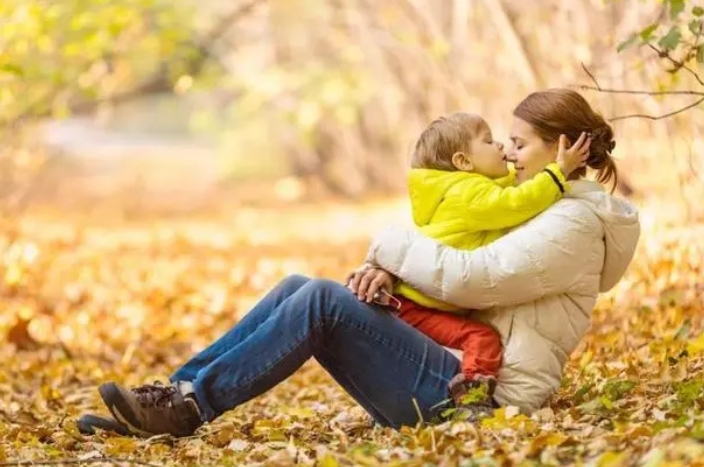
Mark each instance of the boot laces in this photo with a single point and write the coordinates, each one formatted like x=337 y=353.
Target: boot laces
x=156 y=395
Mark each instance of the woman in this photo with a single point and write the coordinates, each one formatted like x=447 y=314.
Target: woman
x=537 y=286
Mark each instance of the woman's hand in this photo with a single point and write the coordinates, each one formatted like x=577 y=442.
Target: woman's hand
x=368 y=281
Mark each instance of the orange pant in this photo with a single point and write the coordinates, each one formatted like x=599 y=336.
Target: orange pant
x=480 y=343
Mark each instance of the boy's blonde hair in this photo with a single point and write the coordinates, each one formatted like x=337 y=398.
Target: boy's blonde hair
x=443 y=138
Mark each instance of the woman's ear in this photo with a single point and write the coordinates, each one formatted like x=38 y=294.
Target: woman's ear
x=553 y=146
x=462 y=161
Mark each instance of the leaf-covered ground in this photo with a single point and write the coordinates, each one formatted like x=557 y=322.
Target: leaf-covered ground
x=129 y=302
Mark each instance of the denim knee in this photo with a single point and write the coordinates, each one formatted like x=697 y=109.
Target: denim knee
x=329 y=295
x=327 y=287
x=294 y=280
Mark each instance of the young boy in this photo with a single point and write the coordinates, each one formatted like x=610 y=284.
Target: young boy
x=462 y=195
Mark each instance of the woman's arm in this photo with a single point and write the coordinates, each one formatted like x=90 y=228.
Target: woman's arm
x=543 y=257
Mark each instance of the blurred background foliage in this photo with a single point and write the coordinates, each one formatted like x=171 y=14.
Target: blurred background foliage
x=132 y=100
x=276 y=133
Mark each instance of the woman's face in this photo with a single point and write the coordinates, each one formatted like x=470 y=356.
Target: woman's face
x=528 y=153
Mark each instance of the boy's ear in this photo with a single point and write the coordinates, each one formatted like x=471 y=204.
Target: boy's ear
x=462 y=161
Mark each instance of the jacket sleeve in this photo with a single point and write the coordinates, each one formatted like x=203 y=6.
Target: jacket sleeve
x=493 y=207
x=508 y=180
x=540 y=258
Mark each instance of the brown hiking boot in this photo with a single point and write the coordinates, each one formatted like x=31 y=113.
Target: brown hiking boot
x=152 y=409
x=473 y=398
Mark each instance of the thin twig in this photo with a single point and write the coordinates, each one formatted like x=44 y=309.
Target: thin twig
x=584 y=87
x=677 y=63
x=690 y=162
x=586 y=70
x=434 y=446
x=420 y=414
x=95 y=460
x=658 y=117
x=597 y=87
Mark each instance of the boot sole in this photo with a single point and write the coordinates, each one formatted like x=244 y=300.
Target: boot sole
x=120 y=410
x=88 y=423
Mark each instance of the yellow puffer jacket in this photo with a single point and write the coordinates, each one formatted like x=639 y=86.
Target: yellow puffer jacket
x=466 y=210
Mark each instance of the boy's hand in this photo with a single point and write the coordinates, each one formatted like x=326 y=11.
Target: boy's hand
x=574 y=157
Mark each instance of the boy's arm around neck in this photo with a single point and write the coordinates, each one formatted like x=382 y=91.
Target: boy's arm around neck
x=493 y=207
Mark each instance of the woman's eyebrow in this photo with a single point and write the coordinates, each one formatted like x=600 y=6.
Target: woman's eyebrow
x=515 y=138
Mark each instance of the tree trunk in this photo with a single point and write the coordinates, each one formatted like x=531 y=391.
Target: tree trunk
x=513 y=43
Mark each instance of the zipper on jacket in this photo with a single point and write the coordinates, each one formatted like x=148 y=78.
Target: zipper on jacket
x=510 y=329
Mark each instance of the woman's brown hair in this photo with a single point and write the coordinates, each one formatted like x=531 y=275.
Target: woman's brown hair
x=563 y=111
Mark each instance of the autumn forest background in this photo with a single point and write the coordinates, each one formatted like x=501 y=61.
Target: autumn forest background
x=163 y=164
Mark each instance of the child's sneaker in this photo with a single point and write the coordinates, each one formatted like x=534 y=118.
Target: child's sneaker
x=473 y=398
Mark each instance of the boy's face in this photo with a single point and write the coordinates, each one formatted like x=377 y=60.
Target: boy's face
x=487 y=156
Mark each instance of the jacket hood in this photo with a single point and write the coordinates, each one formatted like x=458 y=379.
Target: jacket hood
x=427 y=188
x=621 y=228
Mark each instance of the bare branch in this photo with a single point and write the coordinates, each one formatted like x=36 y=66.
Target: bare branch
x=642 y=93
x=159 y=82
x=227 y=21
x=586 y=70
x=662 y=54
x=677 y=63
x=659 y=117
x=514 y=42
x=206 y=43
x=690 y=162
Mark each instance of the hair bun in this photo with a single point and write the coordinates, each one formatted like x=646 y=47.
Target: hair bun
x=603 y=140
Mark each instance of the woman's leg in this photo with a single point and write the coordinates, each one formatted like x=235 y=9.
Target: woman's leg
x=381 y=361
x=246 y=326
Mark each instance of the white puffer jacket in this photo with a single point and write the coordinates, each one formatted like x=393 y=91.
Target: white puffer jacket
x=537 y=285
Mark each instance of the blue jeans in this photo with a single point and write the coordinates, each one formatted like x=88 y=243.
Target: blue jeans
x=382 y=362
